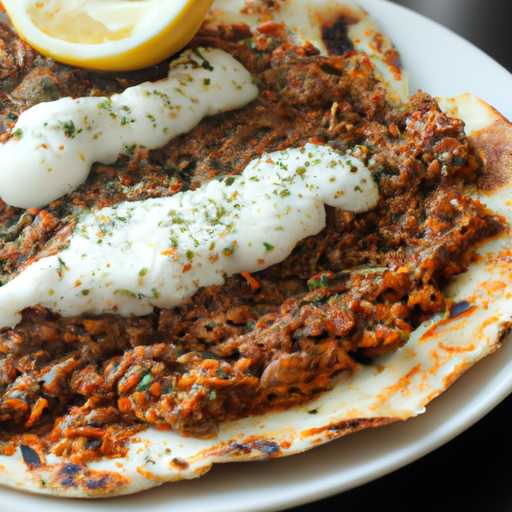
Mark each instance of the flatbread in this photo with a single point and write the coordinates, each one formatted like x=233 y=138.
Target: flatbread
x=314 y=22
x=396 y=387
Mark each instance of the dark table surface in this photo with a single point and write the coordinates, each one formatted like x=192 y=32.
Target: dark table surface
x=470 y=473
x=473 y=472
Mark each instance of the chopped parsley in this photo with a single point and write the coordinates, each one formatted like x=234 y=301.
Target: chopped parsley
x=62 y=268
x=144 y=383
x=129 y=293
x=222 y=374
x=320 y=282
x=105 y=105
x=204 y=64
x=69 y=129
x=230 y=249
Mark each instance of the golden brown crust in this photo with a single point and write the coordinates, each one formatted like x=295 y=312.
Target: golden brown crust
x=494 y=146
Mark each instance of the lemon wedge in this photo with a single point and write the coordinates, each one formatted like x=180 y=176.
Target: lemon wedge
x=111 y=35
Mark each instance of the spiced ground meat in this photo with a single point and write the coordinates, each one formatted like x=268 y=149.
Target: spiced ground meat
x=273 y=339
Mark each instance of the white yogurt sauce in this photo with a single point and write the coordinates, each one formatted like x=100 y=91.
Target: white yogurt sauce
x=54 y=144
x=132 y=257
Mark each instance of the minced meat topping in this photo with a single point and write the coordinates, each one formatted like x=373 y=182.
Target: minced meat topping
x=83 y=385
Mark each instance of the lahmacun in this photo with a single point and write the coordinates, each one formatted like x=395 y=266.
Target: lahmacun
x=361 y=323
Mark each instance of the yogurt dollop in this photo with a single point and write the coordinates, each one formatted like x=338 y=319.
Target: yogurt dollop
x=55 y=144
x=135 y=256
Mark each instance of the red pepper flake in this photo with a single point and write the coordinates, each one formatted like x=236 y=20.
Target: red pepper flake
x=140 y=397
x=36 y=411
x=186 y=268
x=152 y=416
x=155 y=389
x=261 y=261
x=95 y=432
x=269 y=27
x=124 y=404
x=254 y=284
x=318 y=140
x=394 y=130
x=170 y=252
x=128 y=384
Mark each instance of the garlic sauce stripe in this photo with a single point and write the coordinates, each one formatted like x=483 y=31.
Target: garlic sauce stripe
x=134 y=256
x=55 y=144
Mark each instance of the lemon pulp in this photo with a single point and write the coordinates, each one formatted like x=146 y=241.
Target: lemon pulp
x=80 y=23
x=107 y=34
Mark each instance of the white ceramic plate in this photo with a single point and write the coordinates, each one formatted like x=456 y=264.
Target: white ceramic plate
x=440 y=63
